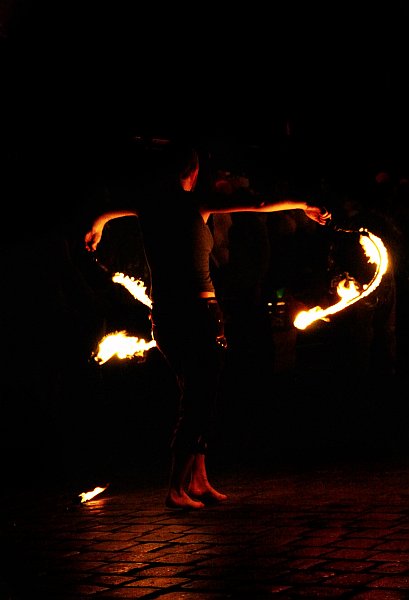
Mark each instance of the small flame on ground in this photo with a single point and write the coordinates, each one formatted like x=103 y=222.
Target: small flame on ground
x=121 y=345
x=136 y=287
x=85 y=496
x=348 y=290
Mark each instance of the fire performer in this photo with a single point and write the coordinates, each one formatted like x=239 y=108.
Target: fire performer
x=187 y=320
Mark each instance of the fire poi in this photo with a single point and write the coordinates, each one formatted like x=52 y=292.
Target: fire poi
x=119 y=343
x=349 y=290
x=122 y=345
x=134 y=286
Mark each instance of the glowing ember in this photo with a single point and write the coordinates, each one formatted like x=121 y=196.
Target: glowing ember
x=121 y=345
x=348 y=290
x=135 y=286
x=85 y=496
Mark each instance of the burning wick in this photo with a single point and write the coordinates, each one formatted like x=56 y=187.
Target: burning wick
x=85 y=496
x=347 y=289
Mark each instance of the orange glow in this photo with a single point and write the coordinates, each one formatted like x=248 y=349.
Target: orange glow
x=348 y=290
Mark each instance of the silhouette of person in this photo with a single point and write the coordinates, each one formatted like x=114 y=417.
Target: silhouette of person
x=187 y=320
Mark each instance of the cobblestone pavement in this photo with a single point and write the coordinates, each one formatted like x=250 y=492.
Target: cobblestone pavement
x=334 y=530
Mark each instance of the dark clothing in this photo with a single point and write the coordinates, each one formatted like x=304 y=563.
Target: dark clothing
x=187 y=328
x=178 y=245
x=186 y=334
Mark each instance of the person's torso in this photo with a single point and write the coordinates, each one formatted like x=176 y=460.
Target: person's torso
x=178 y=244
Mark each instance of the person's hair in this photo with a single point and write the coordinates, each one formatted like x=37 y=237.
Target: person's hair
x=167 y=165
x=183 y=159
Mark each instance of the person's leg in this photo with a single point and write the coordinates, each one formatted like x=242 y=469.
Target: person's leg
x=196 y=359
x=199 y=487
x=181 y=470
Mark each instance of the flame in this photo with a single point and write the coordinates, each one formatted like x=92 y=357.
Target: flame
x=348 y=290
x=85 y=496
x=135 y=286
x=122 y=345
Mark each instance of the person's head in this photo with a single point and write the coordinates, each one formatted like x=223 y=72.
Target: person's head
x=179 y=164
x=174 y=165
x=186 y=166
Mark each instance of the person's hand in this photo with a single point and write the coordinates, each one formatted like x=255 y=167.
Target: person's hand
x=92 y=239
x=319 y=214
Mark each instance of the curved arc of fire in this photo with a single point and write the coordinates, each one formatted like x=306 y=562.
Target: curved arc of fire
x=376 y=252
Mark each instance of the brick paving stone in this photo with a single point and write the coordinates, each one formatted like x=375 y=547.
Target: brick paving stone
x=287 y=532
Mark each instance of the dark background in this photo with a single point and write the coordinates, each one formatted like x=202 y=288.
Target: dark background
x=329 y=76
x=317 y=89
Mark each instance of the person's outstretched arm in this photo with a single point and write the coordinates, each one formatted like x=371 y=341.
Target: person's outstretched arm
x=316 y=213
x=93 y=236
x=235 y=195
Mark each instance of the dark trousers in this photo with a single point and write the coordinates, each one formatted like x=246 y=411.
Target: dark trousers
x=190 y=336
